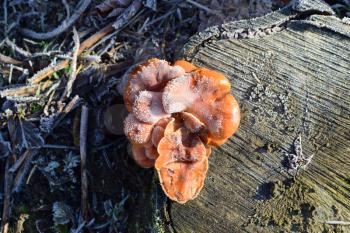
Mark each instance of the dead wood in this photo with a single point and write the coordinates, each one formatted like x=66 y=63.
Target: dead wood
x=66 y=24
x=290 y=74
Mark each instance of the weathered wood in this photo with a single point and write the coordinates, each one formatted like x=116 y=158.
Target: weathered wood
x=290 y=72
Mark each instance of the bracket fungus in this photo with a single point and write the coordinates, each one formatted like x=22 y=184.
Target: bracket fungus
x=176 y=113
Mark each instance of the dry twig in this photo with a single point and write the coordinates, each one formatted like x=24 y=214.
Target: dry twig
x=73 y=74
x=121 y=21
x=83 y=155
x=27 y=90
x=23 y=171
x=19 y=226
x=200 y=6
x=8 y=180
x=5 y=17
x=343 y=223
x=44 y=73
x=67 y=23
x=66 y=6
x=16 y=48
x=127 y=14
x=113 y=69
x=20 y=161
x=9 y=60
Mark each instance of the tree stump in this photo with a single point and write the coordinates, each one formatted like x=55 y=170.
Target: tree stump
x=290 y=72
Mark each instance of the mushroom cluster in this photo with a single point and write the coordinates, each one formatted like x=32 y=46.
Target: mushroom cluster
x=176 y=113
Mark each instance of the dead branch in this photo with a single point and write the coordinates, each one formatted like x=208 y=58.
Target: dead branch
x=127 y=14
x=47 y=71
x=24 y=99
x=83 y=155
x=16 y=48
x=73 y=74
x=27 y=90
x=19 y=226
x=95 y=38
x=23 y=70
x=20 y=161
x=38 y=77
x=113 y=69
x=67 y=23
x=343 y=223
x=9 y=60
x=5 y=17
x=62 y=147
x=8 y=180
x=121 y=21
x=75 y=102
x=23 y=170
x=109 y=5
x=66 y=5
x=203 y=7
x=31 y=173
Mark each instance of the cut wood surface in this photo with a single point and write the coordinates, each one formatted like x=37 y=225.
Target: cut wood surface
x=290 y=72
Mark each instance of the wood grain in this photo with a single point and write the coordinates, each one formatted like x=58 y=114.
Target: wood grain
x=290 y=73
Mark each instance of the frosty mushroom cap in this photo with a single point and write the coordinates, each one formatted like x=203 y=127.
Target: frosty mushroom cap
x=139 y=156
x=157 y=135
x=182 y=165
x=204 y=100
x=202 y=85
x=152 y=76
x=187 y=66
x=221 y=118
x=138 y=132
x=192 y=122
x=148 y=107
x=211 y=85
x=178 y=94
x=172 y=126
x=133 y=85
x=151 y=152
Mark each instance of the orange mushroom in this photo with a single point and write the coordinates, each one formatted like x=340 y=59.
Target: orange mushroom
x=138 y=132
x=208 y=149
x=151 y=152
x=187 y=66
x=152 y=76
x=221 y=119
x=148 y=107
x=182 y=165
x=157 y=135
x=173 y=125
x=206 y=96
x=179 y=94
x=192 y=123
x=139 y=156
x=164 y=122
x=159 y=130
x=177 y=113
